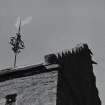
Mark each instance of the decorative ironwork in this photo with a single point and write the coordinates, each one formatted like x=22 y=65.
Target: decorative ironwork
x=17 y=44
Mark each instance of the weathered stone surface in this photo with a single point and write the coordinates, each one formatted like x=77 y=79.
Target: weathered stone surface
x=37 y=89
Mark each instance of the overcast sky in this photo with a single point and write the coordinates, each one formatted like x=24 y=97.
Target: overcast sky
x=55 y=25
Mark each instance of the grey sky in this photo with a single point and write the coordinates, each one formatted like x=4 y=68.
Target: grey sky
x=55 y=25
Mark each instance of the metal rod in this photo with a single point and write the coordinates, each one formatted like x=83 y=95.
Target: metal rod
x=15 y=60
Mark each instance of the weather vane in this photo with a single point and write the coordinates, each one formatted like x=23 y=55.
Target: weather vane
x=16 y=42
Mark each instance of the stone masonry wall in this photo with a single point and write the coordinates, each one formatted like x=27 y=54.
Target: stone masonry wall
x=37 y=89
